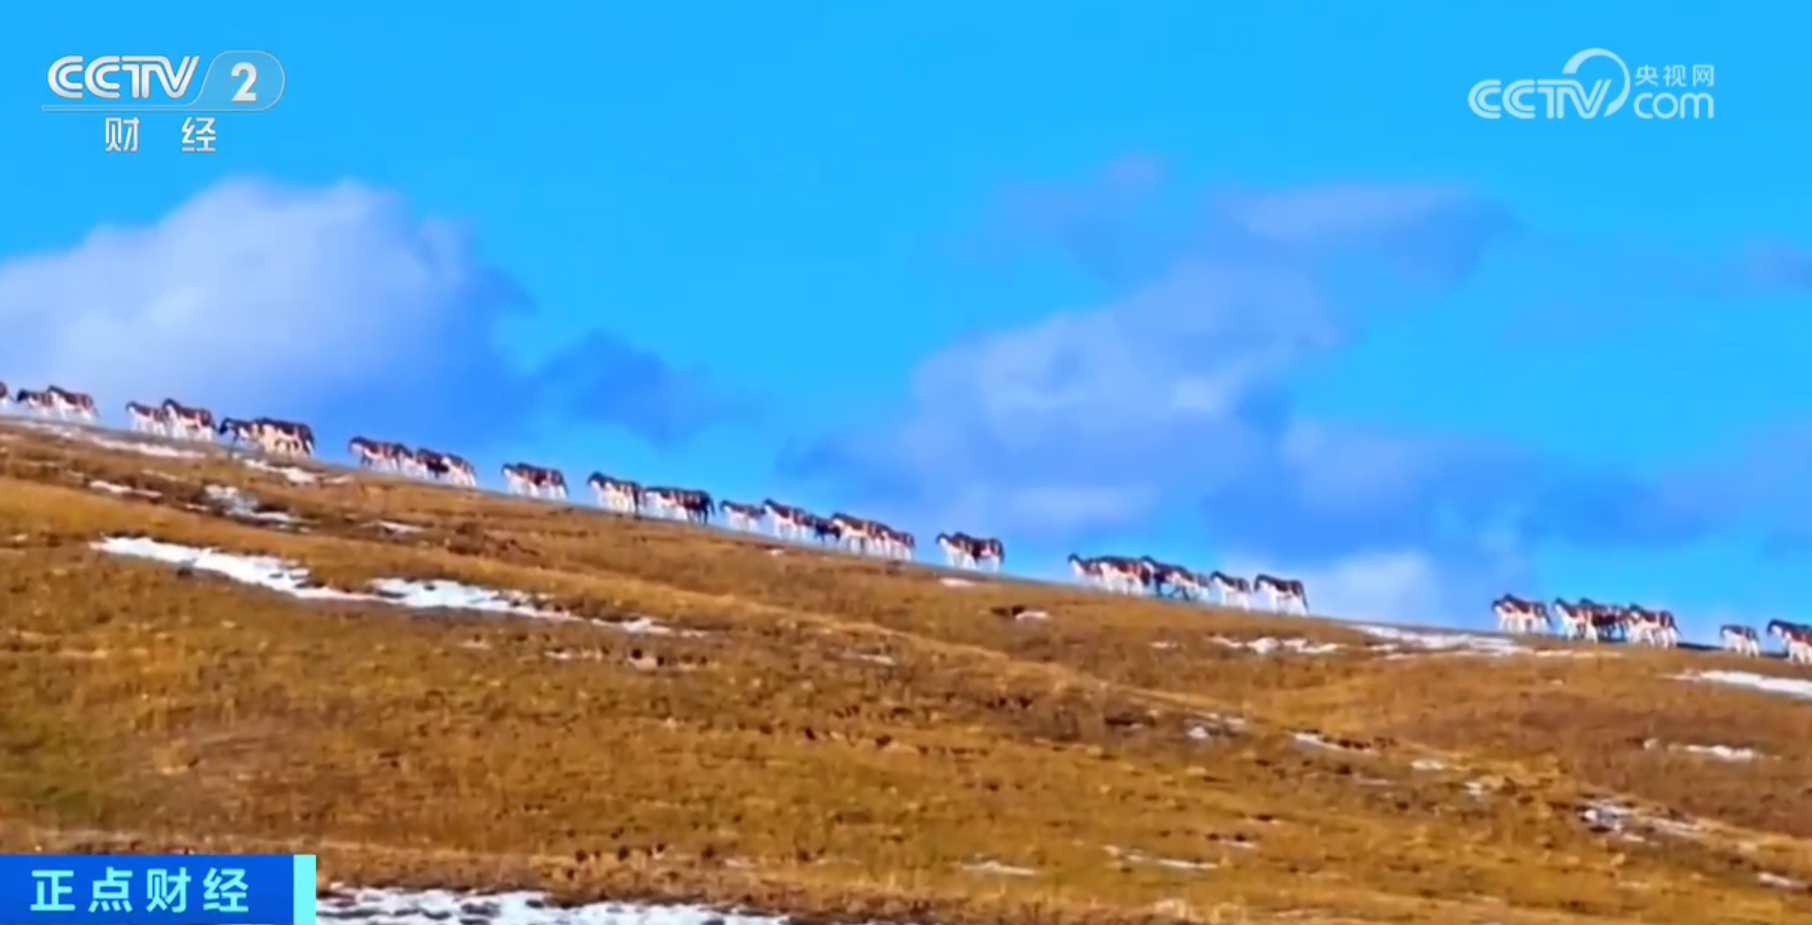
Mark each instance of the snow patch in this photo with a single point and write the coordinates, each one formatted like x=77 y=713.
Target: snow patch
x=235 y=503
x=1613 y=818
x=648 y=626
x=1779 y=882
x=143 y=449
x=1791 y=687
x=397 y=906
x=61 y=430
x=956 y=582
x=1721 y=752
x=1181 y=864
x=292 y=474
x=1266 y=645
x=123 y=491
x=68 y=432
x=866 y=657
x=391 y=526
x=1404 y=643
x=998 y=869
x=1140 y=857
x=1211 y=726
x=1730 y=753
x=1427 y=764
x=263 y=571
x=575 y=655
x=454 y=595
x=1317 y=740
x=274 y=574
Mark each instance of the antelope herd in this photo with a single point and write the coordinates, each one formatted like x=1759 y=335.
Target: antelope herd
x=1583 y=619
x=1589 y=620
x=55 y=401
x=418 y=461
x=178 y=421
x=1146 y=575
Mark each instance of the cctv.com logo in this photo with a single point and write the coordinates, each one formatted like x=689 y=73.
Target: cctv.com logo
x=1661 y=93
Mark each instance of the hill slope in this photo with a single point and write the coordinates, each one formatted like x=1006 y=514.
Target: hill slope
x=683 y=712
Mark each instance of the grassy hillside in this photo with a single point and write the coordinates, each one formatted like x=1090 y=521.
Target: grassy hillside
x=745 y=721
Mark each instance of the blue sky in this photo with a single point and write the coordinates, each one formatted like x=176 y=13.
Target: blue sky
x=1240 y=286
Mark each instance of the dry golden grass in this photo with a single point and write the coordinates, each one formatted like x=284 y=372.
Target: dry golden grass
x=839 y=737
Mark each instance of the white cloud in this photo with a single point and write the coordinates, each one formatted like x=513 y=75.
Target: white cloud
x=1168 y=411
x=1041 y=509
x=249 y=292
x=1340 y=468
x=1344 y=211
x=1399 y=586
x=1174 y=389
x=1410 y=586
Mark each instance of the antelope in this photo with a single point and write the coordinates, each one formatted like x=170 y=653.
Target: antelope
x=68 y=404
x=895 y=543
x=858 y=534
x=534 y=481
x=1112 y=573
x=454 y=470
x=1741 y=640
x=188 y=422
x=618 y=495
x=1515 y=615
x=824 y=530
x=964 y=551
x=1796 y=637
x=36 y=401
x=1286 y=593
x=285 y=438
x=740 y=516
x=377 y=454
x=1575 y=619
x=686 y=504
x=1230 y=589
x=144 y=419
x=1181 y=581
x=789 y=522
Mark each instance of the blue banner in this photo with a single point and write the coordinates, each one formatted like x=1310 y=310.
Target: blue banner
x=157 y=889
